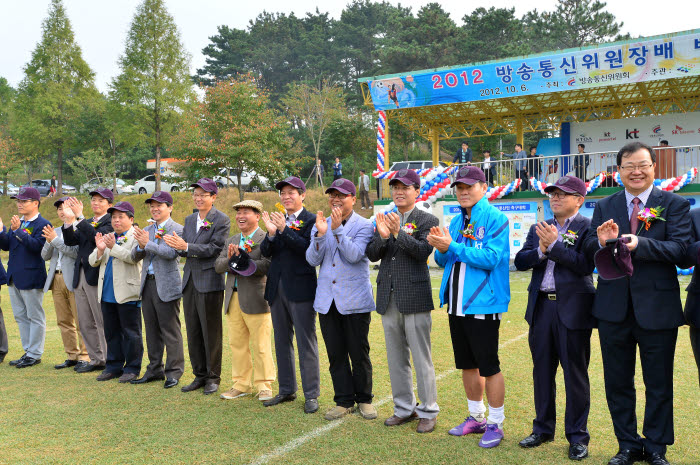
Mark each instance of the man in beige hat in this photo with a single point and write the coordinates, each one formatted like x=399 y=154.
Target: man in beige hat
x=247 y=312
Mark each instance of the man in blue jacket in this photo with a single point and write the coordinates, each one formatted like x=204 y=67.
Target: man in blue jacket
x=26 y=274
x=475 y=252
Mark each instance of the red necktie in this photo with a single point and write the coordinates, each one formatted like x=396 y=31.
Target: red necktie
x=634 y=219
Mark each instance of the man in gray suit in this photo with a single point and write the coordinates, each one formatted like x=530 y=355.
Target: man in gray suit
x=161 y=289
x=60 y=281
x=203 y=238
x=405 y=300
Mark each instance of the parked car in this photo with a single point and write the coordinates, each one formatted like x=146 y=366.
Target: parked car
x=44 y=185
x=147 y=185
x=250 y=180
x=414 y=165
x=94 y=183
x=11 y=189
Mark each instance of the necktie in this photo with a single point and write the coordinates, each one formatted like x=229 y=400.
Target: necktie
x=290 y=219
x=634 y=220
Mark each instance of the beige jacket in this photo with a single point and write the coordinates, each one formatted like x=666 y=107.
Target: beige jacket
x=125 y=271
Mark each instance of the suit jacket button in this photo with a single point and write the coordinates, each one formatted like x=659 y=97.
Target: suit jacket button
x=393 y=258
x=334 y=264
x=334 y=281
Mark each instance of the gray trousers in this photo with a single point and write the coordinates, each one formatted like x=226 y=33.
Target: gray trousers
x=3 y=335
x=163 y=332
x=289 y=318
x=30 y=317
x=90 y=321
x=408 y=335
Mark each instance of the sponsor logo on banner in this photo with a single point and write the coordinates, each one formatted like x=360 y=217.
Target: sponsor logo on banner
x=583 y=138
x=656 y=132
x=632 y=134
x=607 y=137
x=680 y=131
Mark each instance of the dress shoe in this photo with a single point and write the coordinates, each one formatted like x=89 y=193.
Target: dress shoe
x=90 y=367
x=80 y=365
x=128 y=377
x=14 y=363
x=626 y=457
x=28 y=362
x=107 y=375
x=656 y=458
x=578 y=451
x=66 y=364
x=279 y=398
x=2 y=357
x=147 y=379
x=210 y=388
x=426 y=425
x=536 y=440
x=193 y=386
x=170 y=382
x=311 y=406
x=396 y=420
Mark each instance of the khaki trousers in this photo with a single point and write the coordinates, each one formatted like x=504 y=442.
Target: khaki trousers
x=67 y=319
x=91 y=321
x=245 y=331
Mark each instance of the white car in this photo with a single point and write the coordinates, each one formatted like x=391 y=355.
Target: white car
x=147 y=185
x=12 y=189
x=94 y=183
x=250 y=180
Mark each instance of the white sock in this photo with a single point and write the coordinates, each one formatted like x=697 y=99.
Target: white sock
x=496 y=415
x=477 y=409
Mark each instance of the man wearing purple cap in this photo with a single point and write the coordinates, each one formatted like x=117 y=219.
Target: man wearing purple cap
x=26 y=274
x=203 y=239
x=119 y=294
x=161 y=290
x=290 y=290
x=475 y=253
x=82 y=233
x=405 y=305
x=559 y=314
x=344 y=299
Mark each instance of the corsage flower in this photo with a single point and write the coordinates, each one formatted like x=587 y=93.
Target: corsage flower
x=206 y=225
x=569 y=237
x=160 y=232
x=296 y=225
x=468 y=232
x=409 y=228
x=248 y=245
x=648 y=216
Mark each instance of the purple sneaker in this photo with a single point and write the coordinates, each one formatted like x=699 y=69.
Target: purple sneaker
x=492 y=437
x=469 y=426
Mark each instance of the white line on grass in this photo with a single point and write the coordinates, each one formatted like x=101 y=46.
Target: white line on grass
x=296 y=442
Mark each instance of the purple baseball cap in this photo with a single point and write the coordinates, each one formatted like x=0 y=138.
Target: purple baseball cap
x=161 y=197
x=27 y=193
x=242 y=264
x=60 y=201
x=104 y=193
x=125 y=207
x=342 y=185
x=406 y=177
x=206 y=184
x=469 y=175
x=291 y=181
x=568 y=184
x=614 y=261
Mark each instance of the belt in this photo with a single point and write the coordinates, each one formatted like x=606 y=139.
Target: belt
x=548 y=295
x=150 y=276
x=59 y=271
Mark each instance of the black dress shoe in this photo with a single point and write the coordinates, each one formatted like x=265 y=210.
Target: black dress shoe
x=536 y=440
x=81 y=364
x=210 y=388
x=13 y=363
x=66 y=364
x=193 y=386
x=170 y=382
x=28 y=362
x=2 y=357
x=90 y=367
x=147 y=379
x=626 y=457
x=107 y=375
x=578 y=451
x=311 y=406
x=656 y=458
x=279 y=398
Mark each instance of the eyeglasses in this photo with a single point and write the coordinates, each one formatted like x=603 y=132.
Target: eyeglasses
x=633 y=168
x=337 y=195
x=561 y=195
x=401 y=187
x=201 y=196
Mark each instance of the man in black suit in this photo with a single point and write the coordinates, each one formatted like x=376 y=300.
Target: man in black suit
x=290 y=290
x=692 y=302
x=82 y=233
x=203 y=238
x=643 y=309
x=559 y=314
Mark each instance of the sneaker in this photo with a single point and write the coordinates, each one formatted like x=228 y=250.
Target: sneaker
x=234 y=393
x=264 y=395
x=367 y=411
x=337 y=413
x=469 y=426
x=492 y=437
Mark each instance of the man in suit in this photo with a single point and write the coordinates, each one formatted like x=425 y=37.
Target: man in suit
x=290 y=290
x=692 y=302
x=118 y=290
x=581 y=162
x=247 y=312
x=559 y=308
x=463 y=155
x=203 y=238
x=405 y=302
x=26 y=274
x=3 y=332
x=82 y=233
x=643 y=309
x=60 y=281
x=161 y=290
x=344 y=299
x=488 y=167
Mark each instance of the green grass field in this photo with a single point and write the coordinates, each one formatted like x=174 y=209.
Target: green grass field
x=52 y=416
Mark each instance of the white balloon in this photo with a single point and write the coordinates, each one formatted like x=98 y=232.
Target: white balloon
x=422 y=182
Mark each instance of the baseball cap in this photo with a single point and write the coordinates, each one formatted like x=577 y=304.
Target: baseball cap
x=291 y=181
x=469 y=175
x=342 y=185
x=407 y=177
x=569 y=184
x=161 y=197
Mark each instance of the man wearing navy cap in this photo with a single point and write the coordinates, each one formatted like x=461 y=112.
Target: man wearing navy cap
x=26 y=274
x=161 y=290
x=82 y=233
x=290 y=290
x=559 y=314
x=203 y=239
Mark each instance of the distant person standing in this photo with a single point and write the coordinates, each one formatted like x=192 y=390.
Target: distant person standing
x=337 y=169
x=489 y=168
x=52 y=189
x=363 y=187
x=533 y=165
x=663 y=143
x=581 y=162
x=318 y=172
x=463 y=155
x=520 y=161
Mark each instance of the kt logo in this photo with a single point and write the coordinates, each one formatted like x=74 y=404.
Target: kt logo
x=633 y=134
